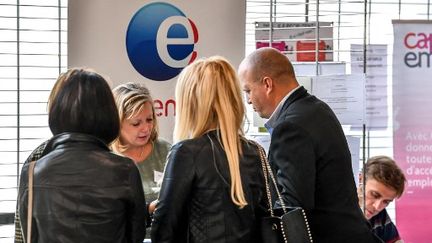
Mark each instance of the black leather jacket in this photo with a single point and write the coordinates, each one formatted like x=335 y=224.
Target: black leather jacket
x=195 y=203
x=83 y=193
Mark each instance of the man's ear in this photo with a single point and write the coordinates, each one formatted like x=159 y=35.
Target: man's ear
x=269 y=84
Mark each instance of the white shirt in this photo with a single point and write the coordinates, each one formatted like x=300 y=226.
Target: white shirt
x=272 y=120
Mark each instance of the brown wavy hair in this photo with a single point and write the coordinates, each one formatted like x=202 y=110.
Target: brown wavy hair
x=385 y=170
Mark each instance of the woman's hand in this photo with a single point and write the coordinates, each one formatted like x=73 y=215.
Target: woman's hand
x=152 y=206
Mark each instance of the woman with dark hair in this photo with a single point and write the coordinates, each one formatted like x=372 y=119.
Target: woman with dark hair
x=37 y=152
x=82 y=191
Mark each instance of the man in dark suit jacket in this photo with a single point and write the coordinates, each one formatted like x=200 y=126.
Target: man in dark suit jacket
x=308 y=149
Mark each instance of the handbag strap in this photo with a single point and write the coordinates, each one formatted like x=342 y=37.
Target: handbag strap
x=30 y=200
x=268 y=173
x=264 y=168
x=267 y=170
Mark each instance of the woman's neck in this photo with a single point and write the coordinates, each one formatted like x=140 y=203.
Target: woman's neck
x=139 y=153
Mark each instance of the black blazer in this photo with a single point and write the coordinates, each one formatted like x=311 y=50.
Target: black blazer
x=195 y=203
x=310 y=154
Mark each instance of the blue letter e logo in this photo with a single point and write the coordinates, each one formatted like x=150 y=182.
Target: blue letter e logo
x=160 y=41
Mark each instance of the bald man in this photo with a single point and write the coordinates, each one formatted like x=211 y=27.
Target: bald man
x=308 y=149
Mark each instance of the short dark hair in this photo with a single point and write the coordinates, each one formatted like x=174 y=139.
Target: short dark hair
x=385 y=170
x=85 y=104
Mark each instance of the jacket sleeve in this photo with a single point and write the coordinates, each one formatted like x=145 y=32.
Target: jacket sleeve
x=22 y=204
x=35 y=155
x=137 y=213
x=170 y=218
x=292 y=156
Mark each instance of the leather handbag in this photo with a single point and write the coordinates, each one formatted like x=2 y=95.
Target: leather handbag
x=30 y=200
x=285 y=224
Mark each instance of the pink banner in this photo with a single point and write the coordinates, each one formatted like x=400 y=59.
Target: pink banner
x=412 y=122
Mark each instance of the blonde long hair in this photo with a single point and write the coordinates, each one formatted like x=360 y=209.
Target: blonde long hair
x=130 y=99
x=208 y=96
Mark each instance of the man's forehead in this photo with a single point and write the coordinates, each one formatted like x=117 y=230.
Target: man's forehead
x=246 y=82
x=242 y=72
x=380 y=188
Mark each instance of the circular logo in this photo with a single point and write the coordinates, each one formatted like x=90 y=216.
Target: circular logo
x=160 y=41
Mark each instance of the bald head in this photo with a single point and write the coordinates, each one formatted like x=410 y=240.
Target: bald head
x=267 y=76
x=268 y=62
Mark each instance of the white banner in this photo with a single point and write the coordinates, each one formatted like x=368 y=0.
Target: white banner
x=152 y=41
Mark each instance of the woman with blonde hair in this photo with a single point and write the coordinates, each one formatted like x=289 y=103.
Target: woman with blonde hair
x=212 y=189
x=139 y=138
